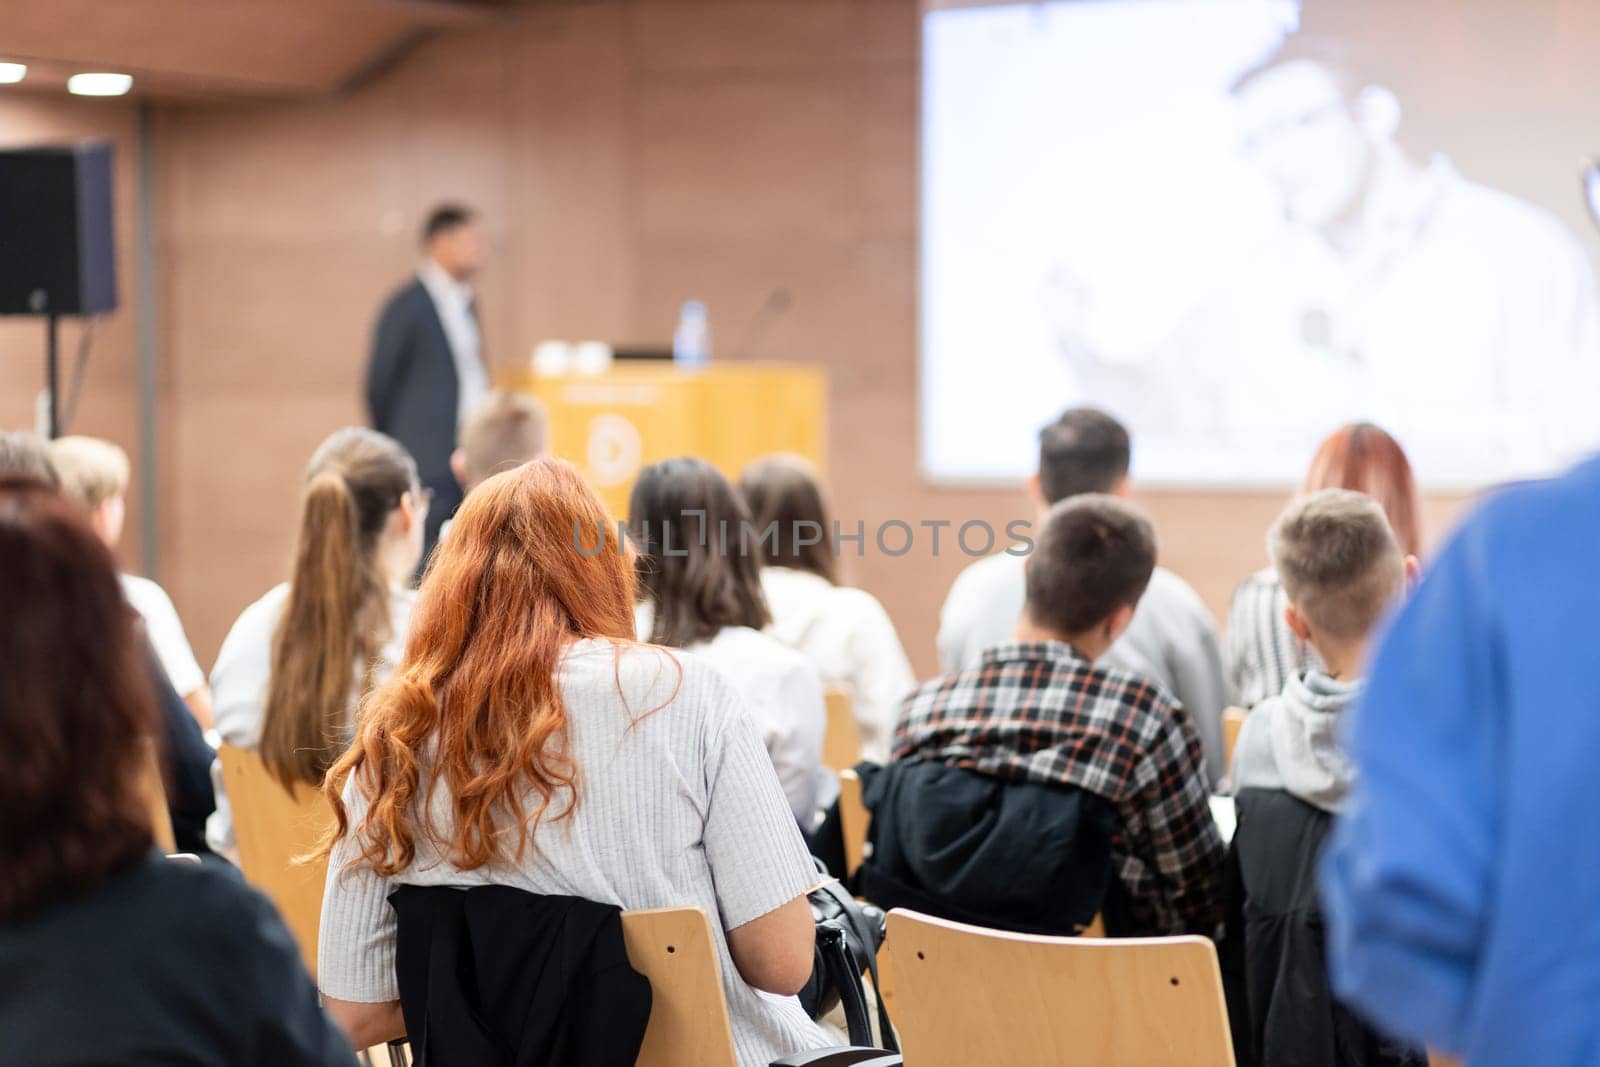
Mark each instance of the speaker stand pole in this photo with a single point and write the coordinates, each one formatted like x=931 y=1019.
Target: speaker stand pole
x=52 y=375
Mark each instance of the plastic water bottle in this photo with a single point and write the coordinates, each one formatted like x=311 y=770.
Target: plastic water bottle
x=691 y=342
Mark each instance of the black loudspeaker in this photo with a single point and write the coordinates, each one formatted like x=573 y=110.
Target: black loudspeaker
x=57 y=255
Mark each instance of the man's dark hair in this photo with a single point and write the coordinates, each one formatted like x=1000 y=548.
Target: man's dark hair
x=1084 y=451
x=1095 y=554
x=444 y=218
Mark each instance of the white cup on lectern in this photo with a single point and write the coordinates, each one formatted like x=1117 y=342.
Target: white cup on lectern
x=591 y=357
x=551 y=358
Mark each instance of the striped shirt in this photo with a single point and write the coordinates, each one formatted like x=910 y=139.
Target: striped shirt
x=677 y=806
x=1039 y=712
x=1262 y=652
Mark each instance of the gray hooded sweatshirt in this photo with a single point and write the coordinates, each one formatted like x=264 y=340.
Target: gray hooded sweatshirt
x=1290 y=742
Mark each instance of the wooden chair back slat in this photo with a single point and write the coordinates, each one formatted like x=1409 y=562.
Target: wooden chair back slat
x=967 y=995
x=273 y=827
x=841 y=741
x=674 y=949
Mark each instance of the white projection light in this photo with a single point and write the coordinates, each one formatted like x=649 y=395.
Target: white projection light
x=99 y=84
x=11 y=73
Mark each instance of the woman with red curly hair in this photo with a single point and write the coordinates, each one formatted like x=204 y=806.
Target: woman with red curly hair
x=527 y=740
x=110 y=952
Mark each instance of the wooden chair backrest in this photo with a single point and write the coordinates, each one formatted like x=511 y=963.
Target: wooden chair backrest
x=674 y=948
x=968 y=995
x=841 y=741
x=153 y=785
x=272 y=827
x=853 y=821
x=1232 y=720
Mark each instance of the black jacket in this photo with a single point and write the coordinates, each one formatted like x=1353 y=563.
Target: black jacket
x=976 y=849
x=186 y=762
x=1283 y=1011
x=495 y=976
x=412 y=392
x=162 y=963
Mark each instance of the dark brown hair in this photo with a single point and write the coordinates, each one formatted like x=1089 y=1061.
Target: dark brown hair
x=1094 y=555
x=1084 y=451
x=1364 y=458
x=444 y=218
x=783 y=493
x=76 y=706
x=337 y=617
x=694 y=563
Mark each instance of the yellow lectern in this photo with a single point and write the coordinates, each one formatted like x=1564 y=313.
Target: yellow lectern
x=612 y=424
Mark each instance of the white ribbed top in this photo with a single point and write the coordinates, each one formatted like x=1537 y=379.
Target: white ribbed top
x=679 y=807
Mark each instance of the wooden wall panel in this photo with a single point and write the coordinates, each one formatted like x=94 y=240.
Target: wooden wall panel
x=627 y=156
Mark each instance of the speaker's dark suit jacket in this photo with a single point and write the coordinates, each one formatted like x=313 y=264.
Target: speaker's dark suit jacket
x=412 y=392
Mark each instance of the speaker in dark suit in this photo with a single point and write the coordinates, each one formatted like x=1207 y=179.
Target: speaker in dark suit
x=426 y=371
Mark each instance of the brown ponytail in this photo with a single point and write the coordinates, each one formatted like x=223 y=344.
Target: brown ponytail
x=337 y=617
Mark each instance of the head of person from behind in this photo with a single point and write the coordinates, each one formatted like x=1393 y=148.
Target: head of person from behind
x=504 y=596
x=23 y=452
x=1090 y=564
x=451 y=239
x=1365 y=458
x=694 y=566
x=1316 y=129
x=362 y=514
x=1085 y=450
x=784 y=492
x=1341 y=568
x=95 y=474
x=506 y=431
x=68 y=712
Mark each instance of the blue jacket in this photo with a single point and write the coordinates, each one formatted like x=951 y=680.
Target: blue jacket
x=1462 y=890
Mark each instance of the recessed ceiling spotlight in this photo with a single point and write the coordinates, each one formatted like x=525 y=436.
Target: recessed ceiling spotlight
x=101 y=84
x=11 y=73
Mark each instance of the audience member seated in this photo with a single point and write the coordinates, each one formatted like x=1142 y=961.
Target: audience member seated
x=700 y=590
x=1037 y=709
x=528 y=741
x=95 y=473
x=1262 y=652
x=505 y=431
x=292 y=668
x=845 y=632
x=109 y=952
x=1172 y=637
x=1340 y=568
x=185 y=757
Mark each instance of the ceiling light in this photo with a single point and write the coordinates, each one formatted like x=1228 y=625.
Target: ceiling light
x=99 y=84
x=11 y=73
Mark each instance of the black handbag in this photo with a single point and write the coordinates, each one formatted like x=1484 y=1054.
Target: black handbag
x=849 y=934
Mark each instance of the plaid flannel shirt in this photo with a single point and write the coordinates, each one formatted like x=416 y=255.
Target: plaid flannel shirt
x=1039 y=712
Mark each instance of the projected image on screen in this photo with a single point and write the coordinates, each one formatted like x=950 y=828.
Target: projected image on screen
x=1205 y=220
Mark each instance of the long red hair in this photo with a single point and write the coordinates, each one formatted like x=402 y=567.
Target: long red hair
x=532 y=563
x=1365 y=458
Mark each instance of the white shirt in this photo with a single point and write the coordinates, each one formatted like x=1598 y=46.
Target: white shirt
x=161 y=622
x=851 y=641
x=677 y=806
x=453 y=301
x=239 y=683
x=784 y=691
x=1172 y=639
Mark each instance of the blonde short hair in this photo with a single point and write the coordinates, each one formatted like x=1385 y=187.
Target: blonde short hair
x=92 y=471
x=504 y=432
x=1338 y=560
